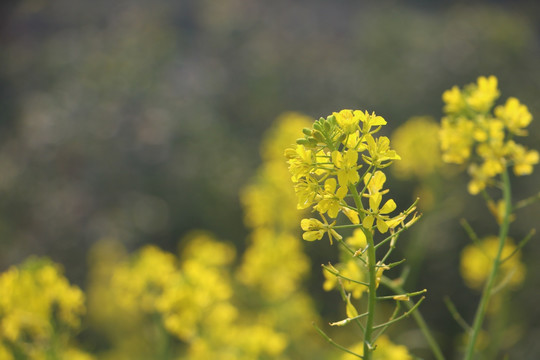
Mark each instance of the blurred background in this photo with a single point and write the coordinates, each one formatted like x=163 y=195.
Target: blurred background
x=141 y=120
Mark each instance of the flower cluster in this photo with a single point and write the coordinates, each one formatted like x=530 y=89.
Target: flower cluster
x=274 y=263
x=199 y=305
x=477 y=260
x=417 y=141
x=336 y=169
x=184 y=304
x=335 y=156
x=473 y=132
x=39 y=312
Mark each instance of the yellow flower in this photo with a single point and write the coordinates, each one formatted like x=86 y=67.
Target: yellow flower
x=456 y=139
x=488 y=130
x=347 y=167
x=474 y=127
x=484 y=94
x=523 y=159
x=331 y=200
x=347 y=120
x=479 y=179
x=273 y=264
x=306 y=190
x=515 y=116
x=380 y=154
x=300 y=162
x=355 y=142
x=314 y=229
x=369 y=120
x=379 y=215
x=375 y=182
x=35 y=295
x=453 y=100
x=476 y=263
x=417 y=141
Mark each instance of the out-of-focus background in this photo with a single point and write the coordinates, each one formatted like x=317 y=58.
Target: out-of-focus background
x=141 y=120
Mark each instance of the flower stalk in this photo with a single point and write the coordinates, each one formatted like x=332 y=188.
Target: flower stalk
x=487 y=292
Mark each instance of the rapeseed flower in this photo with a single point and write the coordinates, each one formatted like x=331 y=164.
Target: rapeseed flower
x=40 y=311
x=417 y=141
x=473 y=132
x=477 y=260
x=335 y=167
x=347 y=168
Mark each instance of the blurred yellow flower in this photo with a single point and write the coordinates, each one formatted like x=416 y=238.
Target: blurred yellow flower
x=476 y=263
x=515 y=116
x=470 y=128
x=39 y=310
x=417 y=142
x=352 y=270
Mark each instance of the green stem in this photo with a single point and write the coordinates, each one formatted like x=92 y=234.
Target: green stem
x=486 y=294
x=372 y=288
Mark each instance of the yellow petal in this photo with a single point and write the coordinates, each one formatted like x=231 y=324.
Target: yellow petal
x=368 y=222
x=382 y=226
x=388 y=207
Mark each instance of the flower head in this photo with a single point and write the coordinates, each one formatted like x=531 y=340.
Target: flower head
x=470 y=133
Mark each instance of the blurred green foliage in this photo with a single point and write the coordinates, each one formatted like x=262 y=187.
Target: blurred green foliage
x=141 y=120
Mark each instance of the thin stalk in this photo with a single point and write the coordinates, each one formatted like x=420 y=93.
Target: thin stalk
x=527 y=202
x=332 y=342
x=348 y=320
x=327 y=268
x=456 y=315
x=417 y=316
x=404 y=315
x=372 y=288
x=521 y=244
x=487 y=292
x=411 y=294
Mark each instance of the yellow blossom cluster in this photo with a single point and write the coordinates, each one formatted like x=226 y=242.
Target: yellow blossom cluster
x=185 y=304
x=39 y=312
x=337 y=154
x=336 y=168
x=477 y=260
x=274 y=262
x=476 y=133
x=418 y=143
x=198 y=305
